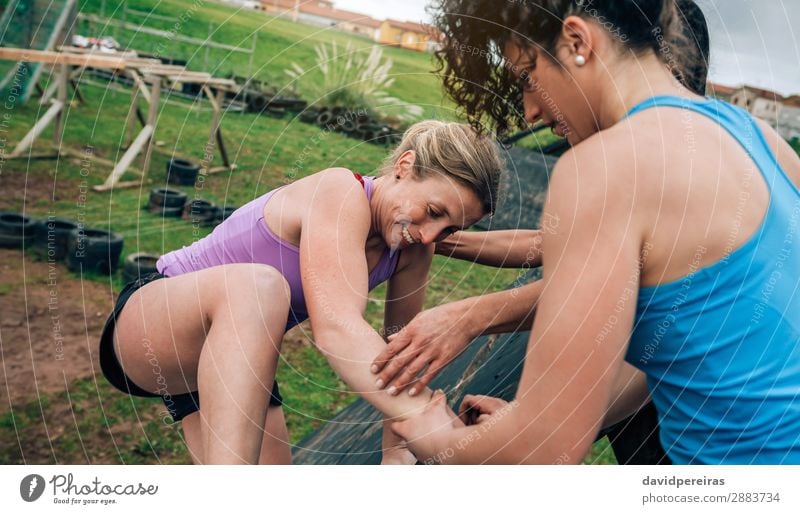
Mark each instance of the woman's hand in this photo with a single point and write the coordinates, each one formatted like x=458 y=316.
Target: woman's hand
x=477 y=408
x=431 y=340
x=394 y=449
x=429 y=433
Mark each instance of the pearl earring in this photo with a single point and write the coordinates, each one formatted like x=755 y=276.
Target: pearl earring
x=580 y=60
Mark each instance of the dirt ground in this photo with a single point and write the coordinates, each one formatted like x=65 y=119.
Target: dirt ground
x=50 y=323
x=21 y=188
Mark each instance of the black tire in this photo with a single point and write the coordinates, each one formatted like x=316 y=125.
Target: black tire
x=257 y=102
x=165 y=212
x=201 y=212
x=15 y=242
x=52 y=237
x=276 y=112
x=367 y=135
x=93 y=250
x=15 y=224
x=369 y=126
x=349 y=126
x=166 y=197
x=297 y=105
x=139 y=265
x=181 y=171
x=308 y=116
x=324 y=118
x=224 y=213
x=279 y=101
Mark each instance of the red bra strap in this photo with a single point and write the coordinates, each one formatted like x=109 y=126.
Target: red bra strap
x=359 y=178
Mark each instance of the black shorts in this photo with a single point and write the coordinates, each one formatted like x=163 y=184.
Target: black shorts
x=179 y=405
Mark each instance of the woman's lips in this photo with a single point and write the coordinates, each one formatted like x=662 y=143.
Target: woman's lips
x=407 y=236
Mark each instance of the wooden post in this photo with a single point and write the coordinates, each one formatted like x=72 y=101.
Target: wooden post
x=152 y=118
x=63 y=83
x=37 y=129
x=131 y=118
x=210 y=30
x=216 y=112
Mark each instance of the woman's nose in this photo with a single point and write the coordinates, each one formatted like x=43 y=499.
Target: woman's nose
x=532 y=111
x=429 y=233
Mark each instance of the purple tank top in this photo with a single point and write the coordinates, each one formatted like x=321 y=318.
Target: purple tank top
x=245 y=238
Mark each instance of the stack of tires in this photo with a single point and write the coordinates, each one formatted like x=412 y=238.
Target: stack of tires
x=166 y=202
x=55 y=239
x=93 y=250
x=52 y=238
x=260 y=98
x=138 y=265
x=355 y=124
x=201 y=212
x=17 y=231
x=182 y=172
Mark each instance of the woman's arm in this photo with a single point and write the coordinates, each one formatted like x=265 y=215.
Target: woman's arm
x=405 y=296
x=579 y=338
x=498 y=248
x=334 y=271
x=438 y=335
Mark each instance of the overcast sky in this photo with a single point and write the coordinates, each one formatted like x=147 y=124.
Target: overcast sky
x=752 y=41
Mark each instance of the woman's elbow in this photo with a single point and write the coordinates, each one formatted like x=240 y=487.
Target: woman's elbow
x=333 y=336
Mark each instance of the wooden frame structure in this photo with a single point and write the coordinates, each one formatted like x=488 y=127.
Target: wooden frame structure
x=148 y=76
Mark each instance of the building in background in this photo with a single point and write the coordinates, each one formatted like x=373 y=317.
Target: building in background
x=761 y=103
x=789 y=118
x=783 y=114
x=719 y=91
x=322 y=13
x=406 y=34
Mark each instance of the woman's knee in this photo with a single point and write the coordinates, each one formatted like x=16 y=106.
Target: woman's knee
x=252 y=286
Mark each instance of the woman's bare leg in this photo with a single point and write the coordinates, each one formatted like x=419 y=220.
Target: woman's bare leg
x=274 y=445
x=217 y=331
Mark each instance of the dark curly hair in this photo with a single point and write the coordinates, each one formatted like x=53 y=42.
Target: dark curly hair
x=478 y=78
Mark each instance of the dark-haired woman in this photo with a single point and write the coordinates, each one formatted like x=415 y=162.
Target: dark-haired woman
x=676 y=247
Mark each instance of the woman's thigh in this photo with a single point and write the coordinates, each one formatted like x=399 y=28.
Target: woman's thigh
x=162 y=328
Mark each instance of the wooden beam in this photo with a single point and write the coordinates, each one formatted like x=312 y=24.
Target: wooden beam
x=209 y=81
x=131 y=117
x=152 y=120
x=37 y=129
x=95 y=61
x=62 y=76
x=161 y=69
x=95 y=51
x=127 y=159
x=167 y=35
x=141 y=86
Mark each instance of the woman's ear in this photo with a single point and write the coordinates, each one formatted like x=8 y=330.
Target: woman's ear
x=405 y=164
x=576 y=45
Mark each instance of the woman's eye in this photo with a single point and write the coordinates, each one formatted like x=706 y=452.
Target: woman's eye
x=526 y=82
x=434 y=214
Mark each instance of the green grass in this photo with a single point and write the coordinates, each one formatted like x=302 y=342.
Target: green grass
x=279 y=44
x=95 y=423
x=795 y=143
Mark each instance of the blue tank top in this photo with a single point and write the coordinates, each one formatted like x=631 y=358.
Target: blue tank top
x=721 y=346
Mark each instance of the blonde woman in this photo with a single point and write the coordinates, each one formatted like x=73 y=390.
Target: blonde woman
x=205 y=332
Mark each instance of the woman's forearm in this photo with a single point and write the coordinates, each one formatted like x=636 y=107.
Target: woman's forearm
x=505 y=311
x=350 y=349
x=498 y=248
